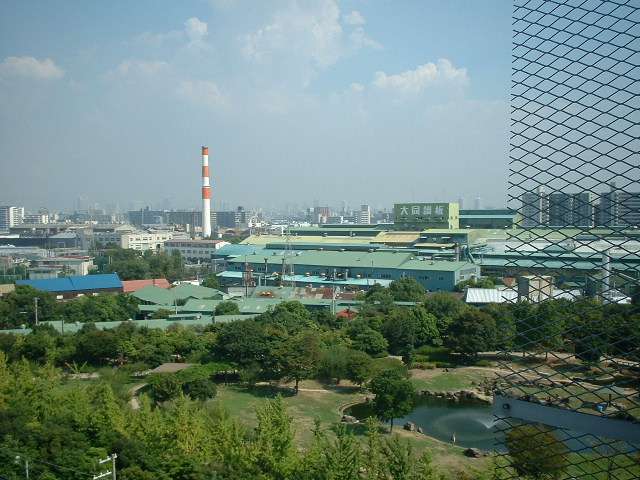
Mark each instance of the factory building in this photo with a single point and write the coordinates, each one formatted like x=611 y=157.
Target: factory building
x=77 y=286
x=488 y=218
x=420 y=216
x=433 y=275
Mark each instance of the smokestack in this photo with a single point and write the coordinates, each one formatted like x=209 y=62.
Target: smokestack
x=206 y=194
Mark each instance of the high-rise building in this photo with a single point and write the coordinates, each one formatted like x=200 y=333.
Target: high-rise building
x=10 y=217
x=570 y=209
x=619 y=208
x=478 y=203
x=321 y=214
x=230 y=219
x=364 y=215
x=535 y=208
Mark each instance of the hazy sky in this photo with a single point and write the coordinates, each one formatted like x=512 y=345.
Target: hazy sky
x=364 y=101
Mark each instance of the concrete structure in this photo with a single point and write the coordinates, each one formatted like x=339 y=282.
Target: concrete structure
x=619 y=208
x=535 y=288
x=10 y=217
x=145 y=240
x=231 y=219
x=420 y=216
x=206 y=195
x=570 y=209
x=364 y=215
x=36 y=218
x=195 y=251
x=535 y=208
x=52 y=267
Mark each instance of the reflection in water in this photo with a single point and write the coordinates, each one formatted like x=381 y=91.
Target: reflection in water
x=470 y=425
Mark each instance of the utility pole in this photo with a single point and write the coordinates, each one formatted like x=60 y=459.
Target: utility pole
x=35 y=300
x=26 y=465
x=112 y=472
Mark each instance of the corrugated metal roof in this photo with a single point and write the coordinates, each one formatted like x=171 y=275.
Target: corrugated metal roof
x=316 y=239
x=502 y=295
x=161 y=296
x=129 y=286
x=185 y=290
x=153 y=294
x=490 y=295
x=333 y=259
x=75 y=283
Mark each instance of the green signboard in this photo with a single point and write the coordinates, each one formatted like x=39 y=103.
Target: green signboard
x=435 y=215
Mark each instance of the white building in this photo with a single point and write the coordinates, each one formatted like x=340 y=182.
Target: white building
x=41 y=218
x=145 y=240
x=195 y=251
x=364 y=215
x=53 y=267
x=10 y=217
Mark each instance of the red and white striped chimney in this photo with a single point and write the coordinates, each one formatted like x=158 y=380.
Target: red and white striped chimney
x=206 y=194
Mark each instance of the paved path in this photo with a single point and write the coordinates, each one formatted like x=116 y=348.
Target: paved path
x=133 y=391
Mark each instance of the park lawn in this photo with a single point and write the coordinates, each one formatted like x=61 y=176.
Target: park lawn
x=325 y=406
x=454 y=379
x=313 y=402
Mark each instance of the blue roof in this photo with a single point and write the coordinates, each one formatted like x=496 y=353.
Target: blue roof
x=236 y=249
x=75 y=283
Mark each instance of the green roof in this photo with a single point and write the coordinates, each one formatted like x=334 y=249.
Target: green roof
x=186 y=290
x=163 y=296
x=153 y=294
x=333 y=259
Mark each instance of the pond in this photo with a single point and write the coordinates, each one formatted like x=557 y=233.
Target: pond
x=472 y=424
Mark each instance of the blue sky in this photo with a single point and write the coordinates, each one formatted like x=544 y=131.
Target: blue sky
x=299 y=101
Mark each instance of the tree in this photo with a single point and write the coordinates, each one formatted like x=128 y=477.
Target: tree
x=200 y=389
x=400 y=329
x=407 y=290
x=474 y=282
x=394 y=395
x=471 y=332
x=358 y=367
x=380 y=295
x=299 y=356
x=333 y=363
x=427 y=332
x=162 y=313
x=445 y=307
x=365 y=338
x=274 y=448
x=227 y=308
x=244 y=342
x=505 y=324
x=165 y=387
x=211 y=281
x=536 y=452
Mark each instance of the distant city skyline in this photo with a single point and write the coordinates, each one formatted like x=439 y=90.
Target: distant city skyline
x=368 y=102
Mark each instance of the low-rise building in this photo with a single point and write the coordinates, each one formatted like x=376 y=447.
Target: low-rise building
x=145 y=240
x=195 y=251
x=432 y=275
x=77 y=286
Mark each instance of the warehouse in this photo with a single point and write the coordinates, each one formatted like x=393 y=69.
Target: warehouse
x=432 y=275
x=76 y=286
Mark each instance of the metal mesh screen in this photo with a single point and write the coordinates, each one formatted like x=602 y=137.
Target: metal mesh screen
x=567 y=395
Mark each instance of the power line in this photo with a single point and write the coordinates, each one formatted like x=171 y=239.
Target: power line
x=44 y=462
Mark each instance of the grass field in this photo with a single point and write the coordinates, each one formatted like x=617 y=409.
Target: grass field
x=317 y=401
